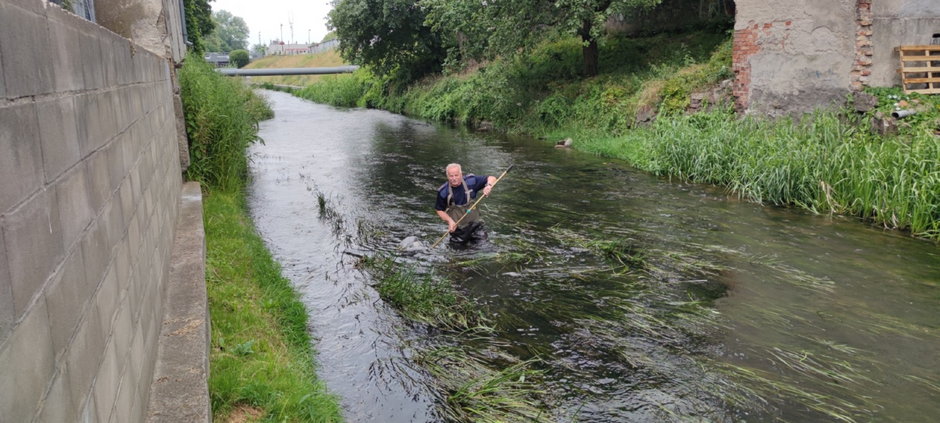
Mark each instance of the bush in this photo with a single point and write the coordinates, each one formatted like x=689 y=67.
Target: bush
x=221 y=121
x=238 y=58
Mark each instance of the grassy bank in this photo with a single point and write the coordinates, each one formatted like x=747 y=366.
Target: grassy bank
x=261 y=362
x=827 y=163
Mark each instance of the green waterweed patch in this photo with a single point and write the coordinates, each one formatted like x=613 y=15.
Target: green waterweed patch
x=474 y=392
x=424 y=297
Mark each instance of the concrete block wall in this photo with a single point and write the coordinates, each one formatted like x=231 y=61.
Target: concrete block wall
x=89 y=188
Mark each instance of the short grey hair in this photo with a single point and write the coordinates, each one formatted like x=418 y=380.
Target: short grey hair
x=451 y=166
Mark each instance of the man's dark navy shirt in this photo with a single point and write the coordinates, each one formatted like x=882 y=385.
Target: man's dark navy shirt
x=474 y=183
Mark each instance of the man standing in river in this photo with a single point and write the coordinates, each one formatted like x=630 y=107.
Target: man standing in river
x=453 y=200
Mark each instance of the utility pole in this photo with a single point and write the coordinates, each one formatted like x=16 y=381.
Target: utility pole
x=290 y=21
x=282 y=33
x=308 y=35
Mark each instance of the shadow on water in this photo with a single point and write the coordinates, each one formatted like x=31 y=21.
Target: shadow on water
x=639 y=299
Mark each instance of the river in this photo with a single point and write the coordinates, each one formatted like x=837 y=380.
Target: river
x=643 y=298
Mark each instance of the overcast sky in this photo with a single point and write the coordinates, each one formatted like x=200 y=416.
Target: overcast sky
x=266 y=16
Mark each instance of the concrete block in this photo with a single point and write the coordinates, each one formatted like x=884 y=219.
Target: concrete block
x=109 y=107
x=65 y=300
x=21 y=160
x=107 y=301
x=58 y=135
x=6 y=294
x=90 y=49
x=126 y=197
x=112 y=219
x=89 y=412
x=66 y=51
x=99 y=180
x=121 y=333
x=106 y=383
x=33 y=239
x=75 y=211
x=24 y=33
x=96 y=255
x=122 y=264
x=125 y=396
x=89 y=125
x=28 y=366
x=115 y=161
x=59 y=405
x=84 y=355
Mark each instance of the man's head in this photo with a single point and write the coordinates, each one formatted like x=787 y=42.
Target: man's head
x=454 y=174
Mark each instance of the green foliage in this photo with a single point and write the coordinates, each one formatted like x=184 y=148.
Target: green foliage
x=389 y=36
x=499 y=30
x=198 y=23
x=230 y=33
x=260 y=354
x=221 y=121
x=330 y=36
x=239 y=58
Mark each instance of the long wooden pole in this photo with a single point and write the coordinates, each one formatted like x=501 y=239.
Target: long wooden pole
x=473 y=206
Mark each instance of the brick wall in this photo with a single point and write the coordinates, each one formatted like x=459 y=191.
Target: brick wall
x=89 y=188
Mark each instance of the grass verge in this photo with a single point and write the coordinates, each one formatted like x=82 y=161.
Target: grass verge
x=261 y=355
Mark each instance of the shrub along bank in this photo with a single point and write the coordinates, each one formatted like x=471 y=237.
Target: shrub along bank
x=261 y=363
x=827 y=162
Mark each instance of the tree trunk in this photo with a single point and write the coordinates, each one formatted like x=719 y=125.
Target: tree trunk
x=589 y=50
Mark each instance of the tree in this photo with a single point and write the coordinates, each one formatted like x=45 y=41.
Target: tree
x=494 y=27
x=231 y=33
x=238 y=58
x=389 y=36
x=198 y=23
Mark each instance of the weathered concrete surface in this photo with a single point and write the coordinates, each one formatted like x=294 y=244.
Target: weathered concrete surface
x=149 y=23
x=89 y=189
x=792 y=56
x=180 y=391
x=896 y=23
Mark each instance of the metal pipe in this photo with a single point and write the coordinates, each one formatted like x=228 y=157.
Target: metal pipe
x=286 y=71
x=899 y=114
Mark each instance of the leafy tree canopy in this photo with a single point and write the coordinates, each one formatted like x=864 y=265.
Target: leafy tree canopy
x=484 y=28
x=231 y=33
x=389 y=36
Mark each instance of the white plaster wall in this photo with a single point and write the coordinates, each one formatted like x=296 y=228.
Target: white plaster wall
x=896 y=23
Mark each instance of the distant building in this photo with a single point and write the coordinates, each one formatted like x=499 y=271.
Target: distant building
x=280 y=48
x=220 y=60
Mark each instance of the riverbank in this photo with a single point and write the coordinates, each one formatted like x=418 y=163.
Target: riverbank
x=261 y=361
x=262 y=365
x=641 y=109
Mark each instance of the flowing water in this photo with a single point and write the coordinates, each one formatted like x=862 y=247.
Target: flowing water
x=643 y=299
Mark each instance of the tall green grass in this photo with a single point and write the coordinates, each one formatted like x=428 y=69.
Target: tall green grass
x=261 y=356
x=221 y=121
x=826 y=163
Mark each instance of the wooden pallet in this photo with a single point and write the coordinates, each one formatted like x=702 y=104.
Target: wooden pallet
x=920 y=69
